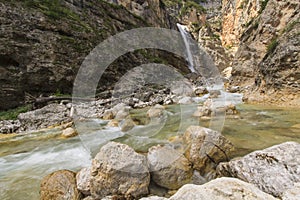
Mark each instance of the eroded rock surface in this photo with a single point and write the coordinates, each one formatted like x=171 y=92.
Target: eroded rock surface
x=118 y=170
x=274 y=170
x=206 y=148
x=60 y=185
x=168 y=167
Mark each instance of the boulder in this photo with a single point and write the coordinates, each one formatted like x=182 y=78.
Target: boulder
x=126 y=124
x=69 y=132
x=220 y=189
x=156 y=111
x=274 y=170
x=293 y=193
x=169 y=168
x=206 y=148
x=212 y=109
x=60 y=185
x=113 y=123
x=154 y=198
x=118 y=107
x=108 y=114
x=186 y=100
x=118 y=170
x=122 y=114
x=83 y=178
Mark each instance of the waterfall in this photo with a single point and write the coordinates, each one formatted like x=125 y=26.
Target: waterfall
x=185 y=36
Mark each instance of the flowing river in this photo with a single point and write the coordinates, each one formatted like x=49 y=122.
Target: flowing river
x=26 y=158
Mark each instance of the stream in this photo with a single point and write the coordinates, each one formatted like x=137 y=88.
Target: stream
x=26 y=158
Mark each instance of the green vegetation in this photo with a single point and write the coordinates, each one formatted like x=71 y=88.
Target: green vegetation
x=272 y=46
x=13 y=113
x=188 y=5
x=290 y=26
x=263 y=5
x=52 y=8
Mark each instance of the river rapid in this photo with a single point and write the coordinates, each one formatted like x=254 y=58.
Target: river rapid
x=26 y=158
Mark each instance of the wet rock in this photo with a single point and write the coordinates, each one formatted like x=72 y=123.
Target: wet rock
x=69 y=132
x=60 y=185
x=53 y=114
x=122 y=114
x=199 y=91
x=126 y=124
x=118 y=107
x=293 y=193
x=156 y=111
x=108 y=115
x=118 y=170
x=220 y=189
x=113 y=123
x=274 y=170
x=211 y=108
x=206 y=148
x=169 y=168
x=185 y=100
x=83 y=178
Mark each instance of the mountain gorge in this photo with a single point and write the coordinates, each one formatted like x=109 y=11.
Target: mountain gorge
x=45 y=42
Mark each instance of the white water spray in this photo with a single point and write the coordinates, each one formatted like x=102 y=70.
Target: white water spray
x=184 y=33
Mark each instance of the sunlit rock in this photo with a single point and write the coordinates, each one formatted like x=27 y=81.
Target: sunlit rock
x=118 y=170
x=273 y=170
x=169 y=168
x=220 y=189
x=206 y=148
x=60 y=185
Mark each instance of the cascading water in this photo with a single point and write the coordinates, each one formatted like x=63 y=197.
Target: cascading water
x=186 y=36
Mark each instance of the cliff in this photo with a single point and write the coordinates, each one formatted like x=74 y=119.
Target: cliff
x=266 y=63
x=44 y=42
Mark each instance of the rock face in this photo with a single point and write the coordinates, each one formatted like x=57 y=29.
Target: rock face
x=236 y=15
x=53 y=114
x=150 y=10
x=44 y=54
x=220 y=189
x=168 y=167
x=273 y=170
x=118 y=170
x=267 y=60
x=206 y=148
x=60 y=185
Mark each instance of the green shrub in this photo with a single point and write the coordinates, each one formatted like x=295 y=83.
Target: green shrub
x=272 y=46
x=263 y=5
x=12 y=114
x=290 y=26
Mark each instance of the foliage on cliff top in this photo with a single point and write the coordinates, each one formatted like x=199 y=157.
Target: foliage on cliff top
x=185 y=5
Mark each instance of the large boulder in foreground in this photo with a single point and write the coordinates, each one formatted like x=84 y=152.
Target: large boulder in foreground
x=206 y=148
x=83 y=178
x=169 y=168
x=274 y=170
x=293 y=193
x=220 y=189
x=60 y=185
x=118 y=170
